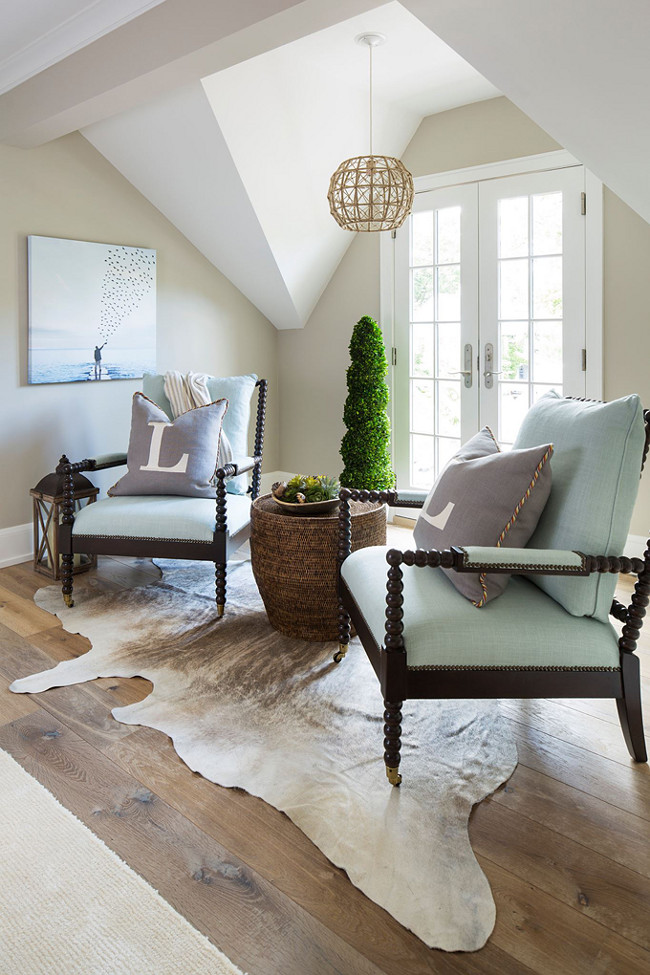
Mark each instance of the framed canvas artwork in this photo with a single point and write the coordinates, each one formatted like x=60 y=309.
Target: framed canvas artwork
x=92 y=311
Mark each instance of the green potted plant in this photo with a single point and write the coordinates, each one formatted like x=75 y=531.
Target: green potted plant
x=307 y=493
x=365 y=448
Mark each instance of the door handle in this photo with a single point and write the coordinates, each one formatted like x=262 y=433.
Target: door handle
x=489 y=362
x=467 y=371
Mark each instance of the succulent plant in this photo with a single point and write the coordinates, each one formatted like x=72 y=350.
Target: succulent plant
x=306 y=488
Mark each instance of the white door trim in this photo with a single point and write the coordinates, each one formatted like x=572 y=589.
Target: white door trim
x=543 y=161
x=594 y=283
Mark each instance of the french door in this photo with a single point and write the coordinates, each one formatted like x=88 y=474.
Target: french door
x=489 y=312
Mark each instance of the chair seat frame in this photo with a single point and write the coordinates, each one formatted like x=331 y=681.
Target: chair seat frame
x=207 y=551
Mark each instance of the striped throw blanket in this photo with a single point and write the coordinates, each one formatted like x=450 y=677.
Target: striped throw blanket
x=186 y=391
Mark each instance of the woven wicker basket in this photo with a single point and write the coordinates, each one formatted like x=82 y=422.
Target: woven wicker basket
x=294 y=563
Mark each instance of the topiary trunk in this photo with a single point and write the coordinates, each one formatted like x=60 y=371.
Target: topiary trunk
x=365 y=448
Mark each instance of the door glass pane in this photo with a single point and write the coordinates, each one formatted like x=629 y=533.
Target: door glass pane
x=448 y=296
x=513 y=289
x=530 y=327
x=446 y=450
x=513 y=337
x=448 y=412
x=435 y=338
x=422 y=350
x=422 y=238
x=513 y=227
x=448 y=348
x=539 y=390
x=422 y=407
x=547 y=223
x=547 y=352
x=421 y=461
x=547 y=287
x=448 y=223
x=422 y=295
x=513 y=404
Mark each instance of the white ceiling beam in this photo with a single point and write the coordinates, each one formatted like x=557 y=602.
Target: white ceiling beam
x=164 y=48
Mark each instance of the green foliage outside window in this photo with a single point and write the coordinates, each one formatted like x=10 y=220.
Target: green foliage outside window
x=365 y=448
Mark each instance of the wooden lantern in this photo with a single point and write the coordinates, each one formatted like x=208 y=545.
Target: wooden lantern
x=48 y=501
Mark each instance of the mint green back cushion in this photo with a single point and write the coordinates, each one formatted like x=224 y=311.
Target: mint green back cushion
x=238 y=390
x=596 y=463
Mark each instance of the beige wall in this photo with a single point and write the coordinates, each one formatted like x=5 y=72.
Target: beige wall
x=627 y=320
x=67 y=189
x=313 y=362
x=474 y=135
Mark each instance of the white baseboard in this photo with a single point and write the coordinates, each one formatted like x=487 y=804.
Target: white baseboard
x=16 y=545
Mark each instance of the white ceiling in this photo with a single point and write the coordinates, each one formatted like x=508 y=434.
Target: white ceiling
x=580 y=70
x=279 y=125
x=170 y=45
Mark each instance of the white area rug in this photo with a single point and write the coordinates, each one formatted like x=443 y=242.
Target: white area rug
x=248 y=707
x=70 y=906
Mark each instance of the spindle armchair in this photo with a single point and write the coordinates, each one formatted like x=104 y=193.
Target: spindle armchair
x=157 y=526
x=426 y=640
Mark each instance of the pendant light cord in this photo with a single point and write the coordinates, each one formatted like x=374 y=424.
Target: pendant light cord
x=370 y=52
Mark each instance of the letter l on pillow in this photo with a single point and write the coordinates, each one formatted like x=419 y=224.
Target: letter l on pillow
x=153 y=464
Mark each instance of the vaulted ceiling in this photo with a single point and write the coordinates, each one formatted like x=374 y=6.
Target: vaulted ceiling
x=240 y=160
x=231 y=117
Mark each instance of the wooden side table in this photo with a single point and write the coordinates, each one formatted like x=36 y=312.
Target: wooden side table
x=295 y=567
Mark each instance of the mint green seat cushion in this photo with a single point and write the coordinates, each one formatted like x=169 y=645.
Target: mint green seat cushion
x=160 y=516
x=522 y=628
x=238 y=390
x=596 y=468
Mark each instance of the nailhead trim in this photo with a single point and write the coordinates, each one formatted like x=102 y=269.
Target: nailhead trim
x=566 y=569
x=145 y=538
x=514 y=667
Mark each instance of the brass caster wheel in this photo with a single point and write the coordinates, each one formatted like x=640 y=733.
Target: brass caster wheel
x=393 y=775
x=340 y=653
x=220 y=609
x=68 y=600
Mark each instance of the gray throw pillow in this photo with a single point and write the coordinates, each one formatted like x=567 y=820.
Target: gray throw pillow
x=172 y=457
x=485 y=497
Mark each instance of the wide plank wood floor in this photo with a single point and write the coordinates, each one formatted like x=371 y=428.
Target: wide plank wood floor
x=564 y=844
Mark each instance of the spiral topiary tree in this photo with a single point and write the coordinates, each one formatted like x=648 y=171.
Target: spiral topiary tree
x=365 y=448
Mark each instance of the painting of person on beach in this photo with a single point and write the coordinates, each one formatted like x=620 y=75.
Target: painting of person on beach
x=92 y=311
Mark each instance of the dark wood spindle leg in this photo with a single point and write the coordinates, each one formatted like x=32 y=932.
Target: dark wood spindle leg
x=345 y=545
x=392 y=740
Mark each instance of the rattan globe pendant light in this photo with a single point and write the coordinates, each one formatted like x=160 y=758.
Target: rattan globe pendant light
x=371 y=193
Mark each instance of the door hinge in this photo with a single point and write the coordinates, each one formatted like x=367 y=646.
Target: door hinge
x=393 y=356
x=584 y=360
x=583 y=204
x=393 y=234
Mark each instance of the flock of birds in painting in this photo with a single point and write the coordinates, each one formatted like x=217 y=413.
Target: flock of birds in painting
x=129 y=276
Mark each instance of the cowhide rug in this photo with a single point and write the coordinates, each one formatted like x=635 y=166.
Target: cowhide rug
x=246 y=706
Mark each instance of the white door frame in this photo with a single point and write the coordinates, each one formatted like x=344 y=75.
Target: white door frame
x=541 y=162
